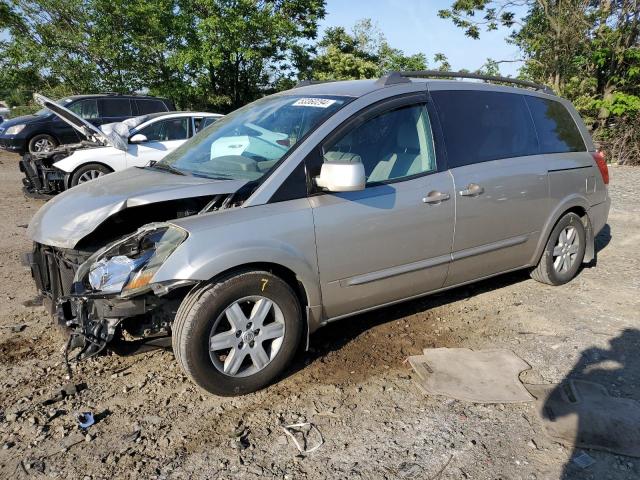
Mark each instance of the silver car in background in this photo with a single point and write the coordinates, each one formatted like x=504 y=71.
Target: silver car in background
x=313 y=205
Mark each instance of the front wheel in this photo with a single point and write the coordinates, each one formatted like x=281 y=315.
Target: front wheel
x=563 y=253
x=237 y=335
x=42 y=143
x=88 y=172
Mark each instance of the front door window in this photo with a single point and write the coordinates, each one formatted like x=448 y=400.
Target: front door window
x=392 y=146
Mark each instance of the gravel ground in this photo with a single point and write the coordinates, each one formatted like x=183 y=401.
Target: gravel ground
x=353 y=384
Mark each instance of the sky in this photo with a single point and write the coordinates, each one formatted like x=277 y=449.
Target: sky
x=414 y=26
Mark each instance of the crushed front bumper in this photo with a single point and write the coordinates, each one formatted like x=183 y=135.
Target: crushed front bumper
x=124 y=326
x=40 y=177
x=94 y=321
x=13 y=144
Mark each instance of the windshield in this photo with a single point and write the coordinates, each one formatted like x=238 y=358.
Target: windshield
x=249 y=142
x=45 y=111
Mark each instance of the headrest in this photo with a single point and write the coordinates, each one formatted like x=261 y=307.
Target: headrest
x=407 y=137
x=335 y=156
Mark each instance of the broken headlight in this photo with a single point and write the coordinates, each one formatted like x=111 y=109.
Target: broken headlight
x=129 y=265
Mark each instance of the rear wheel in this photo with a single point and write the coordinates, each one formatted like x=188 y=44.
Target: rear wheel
x=42 y=143
x=563 y=252
x=237 y=335
x=88 y=172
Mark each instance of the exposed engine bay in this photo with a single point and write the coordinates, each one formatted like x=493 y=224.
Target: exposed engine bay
x=41 y=178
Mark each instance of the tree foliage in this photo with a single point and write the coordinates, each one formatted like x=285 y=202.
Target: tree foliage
x=587 y=50
x=204 y=54
x=362 y=53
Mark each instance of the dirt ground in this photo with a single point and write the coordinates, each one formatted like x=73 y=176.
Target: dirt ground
x=353 y=384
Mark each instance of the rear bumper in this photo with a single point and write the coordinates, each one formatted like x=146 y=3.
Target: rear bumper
x=13 y=144
x=599 y=214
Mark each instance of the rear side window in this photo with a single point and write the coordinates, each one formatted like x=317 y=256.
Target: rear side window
x=86 y=109
x=167 y=130
x=480 y=126
x=116 y=107
x=557 y=131
x=205 y=122
x=150 y=106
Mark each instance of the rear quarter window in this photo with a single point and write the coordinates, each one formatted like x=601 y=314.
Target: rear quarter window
x=557 y=131
x=116 y=107
x=480 y=126
x=146 y=106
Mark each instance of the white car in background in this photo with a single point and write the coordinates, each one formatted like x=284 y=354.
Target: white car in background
x=145 y=139
x=135 y=142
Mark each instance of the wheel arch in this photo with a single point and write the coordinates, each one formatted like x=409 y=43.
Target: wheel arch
x=70 y=174
x=285 y=273
x=310 y=316
x=40 y=132
x=574 y=204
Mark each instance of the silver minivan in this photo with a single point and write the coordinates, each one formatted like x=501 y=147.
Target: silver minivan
x=315 y=204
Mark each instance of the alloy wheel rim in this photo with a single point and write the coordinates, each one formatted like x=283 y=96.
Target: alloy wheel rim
x=89 y=175
x=566 y=249
x=42 y=145
x=246 y=336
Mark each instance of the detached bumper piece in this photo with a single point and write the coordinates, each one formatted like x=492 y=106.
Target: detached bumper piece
x=41 y=179
x=90 y=336
x=100 y=323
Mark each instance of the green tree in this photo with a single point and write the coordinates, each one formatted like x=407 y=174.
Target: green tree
x=215 y=54
x=586 y=50
x=363 y=53
x=235 y=51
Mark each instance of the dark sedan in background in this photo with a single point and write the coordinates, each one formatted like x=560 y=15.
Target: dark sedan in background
x=43 y=131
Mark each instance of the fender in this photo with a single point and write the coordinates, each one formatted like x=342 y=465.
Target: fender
x=568 y=203
x=181 y=265
x=281 y=234
x=108 y=156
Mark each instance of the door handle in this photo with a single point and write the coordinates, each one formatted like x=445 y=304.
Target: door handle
x=472 y=190
x=436 y=197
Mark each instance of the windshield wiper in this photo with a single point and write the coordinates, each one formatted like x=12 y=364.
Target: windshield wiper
x=215 y=176
x=166 y=167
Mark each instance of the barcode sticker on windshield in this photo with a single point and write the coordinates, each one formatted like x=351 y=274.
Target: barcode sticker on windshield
x=314 y=102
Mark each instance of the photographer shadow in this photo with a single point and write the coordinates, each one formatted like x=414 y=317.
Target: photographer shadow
x=603 y=412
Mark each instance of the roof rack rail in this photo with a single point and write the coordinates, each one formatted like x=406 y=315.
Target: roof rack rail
x=304 y=83
x=392 y=78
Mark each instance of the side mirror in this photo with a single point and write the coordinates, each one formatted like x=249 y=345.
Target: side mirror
x=138 y=138
x=342 y=176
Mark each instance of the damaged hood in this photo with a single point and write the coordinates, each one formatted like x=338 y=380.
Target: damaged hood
x=91 y=132
x=69 y=217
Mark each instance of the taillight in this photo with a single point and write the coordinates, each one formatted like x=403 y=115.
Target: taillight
x=602 y=166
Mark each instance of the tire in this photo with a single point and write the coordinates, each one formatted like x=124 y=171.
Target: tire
x=568 y=248
x=204 y=313
x=88 y=172
x=42 y=143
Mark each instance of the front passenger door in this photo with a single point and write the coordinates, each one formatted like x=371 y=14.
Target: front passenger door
x=163 y=137
x=393 y=239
